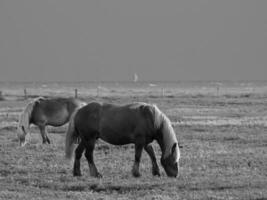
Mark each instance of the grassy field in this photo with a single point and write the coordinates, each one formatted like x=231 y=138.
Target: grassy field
x=224 y=156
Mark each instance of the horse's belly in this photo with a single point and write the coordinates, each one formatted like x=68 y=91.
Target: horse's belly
x=58 y=119
x=57 y=122
x=116 y=138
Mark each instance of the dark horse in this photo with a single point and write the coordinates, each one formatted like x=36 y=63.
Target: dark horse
x=137 y=123
x=46 y=111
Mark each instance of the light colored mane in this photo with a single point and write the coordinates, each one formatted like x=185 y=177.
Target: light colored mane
x=82 y=104
x=25 y=116
x=169 y=136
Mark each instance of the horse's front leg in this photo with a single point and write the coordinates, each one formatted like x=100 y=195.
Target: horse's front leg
x=44 y=134
x=139 y=145
x=150 y=151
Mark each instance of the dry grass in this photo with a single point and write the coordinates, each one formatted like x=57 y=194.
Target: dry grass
x=219 y=160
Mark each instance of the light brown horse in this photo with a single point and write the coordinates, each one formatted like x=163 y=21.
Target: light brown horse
x=46 y=111
x=137 y=123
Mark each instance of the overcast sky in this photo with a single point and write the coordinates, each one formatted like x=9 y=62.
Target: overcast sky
x=89 y=40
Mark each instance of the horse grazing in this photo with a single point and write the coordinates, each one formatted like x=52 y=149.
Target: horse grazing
x=137 y=123
x=46 y=111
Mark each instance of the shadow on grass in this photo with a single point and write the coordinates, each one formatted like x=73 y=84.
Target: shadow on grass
x=183 y=187
x=126 y=187
x=123 y=188
x=107 y=188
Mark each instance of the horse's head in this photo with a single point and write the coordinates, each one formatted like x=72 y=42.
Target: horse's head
x=170 y=161
x=168 y=143
x=24 y=121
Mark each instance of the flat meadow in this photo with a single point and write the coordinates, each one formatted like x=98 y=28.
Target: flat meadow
x=222 y=128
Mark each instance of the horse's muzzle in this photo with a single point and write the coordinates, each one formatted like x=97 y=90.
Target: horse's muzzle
x=22 y=142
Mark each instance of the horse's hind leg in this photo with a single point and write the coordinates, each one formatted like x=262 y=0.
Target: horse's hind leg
x=44 y=134
x=155 y=168
x=139 y=145
x=78 y=154
x=90 y=145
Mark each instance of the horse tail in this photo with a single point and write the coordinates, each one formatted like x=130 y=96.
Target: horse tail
x=71 y=136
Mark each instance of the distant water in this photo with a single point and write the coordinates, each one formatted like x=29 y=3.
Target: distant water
x=166 y=84
x=133 y=88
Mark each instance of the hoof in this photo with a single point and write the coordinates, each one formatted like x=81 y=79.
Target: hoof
x=155 y=173
x=77 y=174
x=136 y=174
x=47 y=140
x=97 y=175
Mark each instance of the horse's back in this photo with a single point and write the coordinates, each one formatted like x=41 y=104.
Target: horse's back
x=54 y=111
x=125 y=115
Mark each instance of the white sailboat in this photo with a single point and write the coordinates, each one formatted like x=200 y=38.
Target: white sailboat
x=135 y=77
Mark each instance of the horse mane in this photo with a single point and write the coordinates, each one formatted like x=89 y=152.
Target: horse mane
x=25 y=116
x=81 y=104
x=161 y=121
